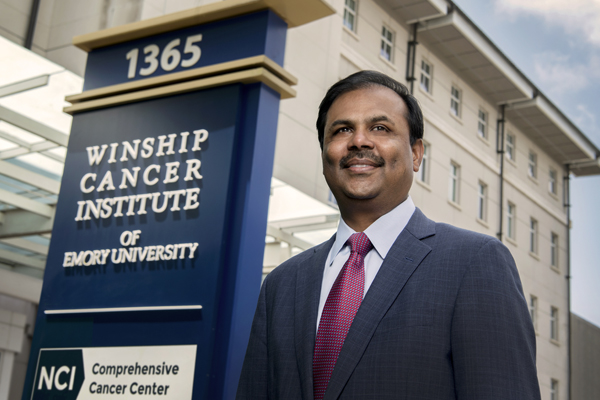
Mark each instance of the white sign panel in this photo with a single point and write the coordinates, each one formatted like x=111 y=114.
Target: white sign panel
x=154 y=372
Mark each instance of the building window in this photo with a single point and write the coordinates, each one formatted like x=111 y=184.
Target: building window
x=554 y=250
x=552 y=187
x=533 y=235
x=481 y=201
x=553 y=323
x=533 y=309
x=553 y=389
x=423 y=173
x=454 y=183
x=455 y=101
x=387 y=43
x=426 y=73
x=482 y=124
x=511 y=147
x=532 y=165
x=511 y=219
x=350 y=14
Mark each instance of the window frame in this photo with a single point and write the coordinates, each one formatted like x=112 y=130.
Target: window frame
x=532 y=164
x=533 y=235
x=553 y=389
x=554 y=250
x=426 y=76
x=553 y=323
x=512 y=153
x=482 y=124
x=423 y=174
x=385 y=41
x=454 y=183
x=455 y=101
x=553 y=181
x=511 y=219
x=482 y=197
x=353 y=13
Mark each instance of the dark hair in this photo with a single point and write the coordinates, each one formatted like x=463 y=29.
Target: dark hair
x=365 y=79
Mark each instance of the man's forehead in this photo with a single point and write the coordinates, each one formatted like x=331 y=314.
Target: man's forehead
x=373 y=88
x=390 y=99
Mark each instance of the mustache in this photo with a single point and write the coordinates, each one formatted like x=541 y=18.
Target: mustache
x=362 y=154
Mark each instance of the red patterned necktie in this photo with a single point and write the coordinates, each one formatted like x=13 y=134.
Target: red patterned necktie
x=339 y=311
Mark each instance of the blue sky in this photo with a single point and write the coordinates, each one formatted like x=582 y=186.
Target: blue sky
x=556 y=44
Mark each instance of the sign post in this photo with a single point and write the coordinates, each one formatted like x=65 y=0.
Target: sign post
x=156 y=254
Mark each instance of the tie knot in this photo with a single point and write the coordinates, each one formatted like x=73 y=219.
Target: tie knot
x=360 y=243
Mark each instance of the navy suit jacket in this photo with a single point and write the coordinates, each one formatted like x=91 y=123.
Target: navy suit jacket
x=445 y=318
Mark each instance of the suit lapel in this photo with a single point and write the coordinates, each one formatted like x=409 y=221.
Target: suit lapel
x=401 y=261
x=308 y=291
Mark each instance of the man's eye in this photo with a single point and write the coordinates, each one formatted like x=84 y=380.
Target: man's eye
x=380 y=128
x=344 y=129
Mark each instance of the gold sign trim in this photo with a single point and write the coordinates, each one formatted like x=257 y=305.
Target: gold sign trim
x=247 y=76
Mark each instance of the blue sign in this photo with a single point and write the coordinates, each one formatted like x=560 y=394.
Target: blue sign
x=143 y=205
x=163 y=203
x=156 y=254
x=249 y=35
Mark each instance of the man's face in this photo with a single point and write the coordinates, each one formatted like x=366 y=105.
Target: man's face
x=366 y=148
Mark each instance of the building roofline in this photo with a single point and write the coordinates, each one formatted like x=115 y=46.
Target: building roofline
x=541 y=100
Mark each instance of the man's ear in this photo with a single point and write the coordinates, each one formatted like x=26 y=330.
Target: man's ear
x=417 y=152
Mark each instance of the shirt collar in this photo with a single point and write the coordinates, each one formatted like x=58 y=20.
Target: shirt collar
x=382 y=233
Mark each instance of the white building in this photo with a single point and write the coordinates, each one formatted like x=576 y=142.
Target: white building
x=498 y=152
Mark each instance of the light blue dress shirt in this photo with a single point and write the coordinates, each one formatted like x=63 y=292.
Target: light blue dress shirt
x=382 y=234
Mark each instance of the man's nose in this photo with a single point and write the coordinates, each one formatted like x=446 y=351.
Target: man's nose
x=361 y=139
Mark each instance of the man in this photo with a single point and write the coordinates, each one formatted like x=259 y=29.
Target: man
x=394 y=306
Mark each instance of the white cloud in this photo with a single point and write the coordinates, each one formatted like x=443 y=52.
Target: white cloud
x=577 y=17
x=560 y=75
x=586 y=120
x=585 y=117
